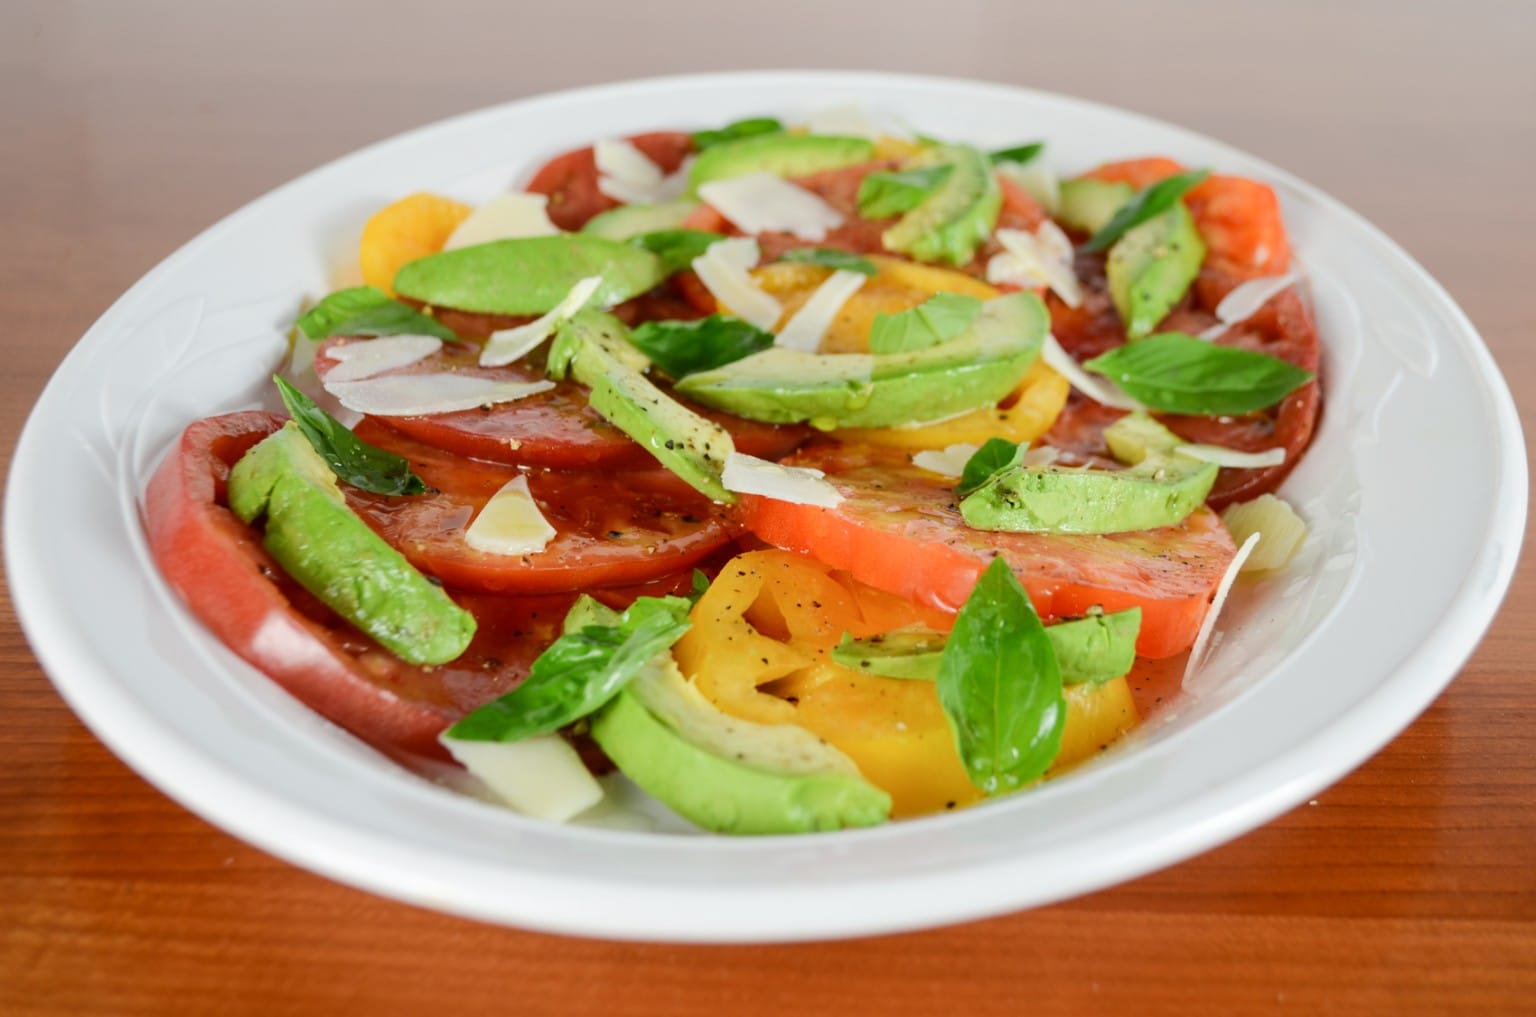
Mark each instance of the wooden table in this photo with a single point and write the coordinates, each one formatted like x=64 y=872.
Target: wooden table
x=1410 y=886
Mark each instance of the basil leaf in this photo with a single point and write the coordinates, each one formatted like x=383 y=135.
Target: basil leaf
x=1000 y=686
x=581 y=671
x=733 y=131
x=681 y=348
x=363 y=310
x=700 y=586
x=675 y=248
x=829 y=257
x=1145 y=204
x=997 y=454
x=1020 y=154
x=1178 y=373
x=938 y=319
x=360 y=464
x=886 y=193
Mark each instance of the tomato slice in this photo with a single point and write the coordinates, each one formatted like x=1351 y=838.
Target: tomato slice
x=555 y=429
x=614 y=528
x=570 y=179
x=219 y=568
x=899 y=529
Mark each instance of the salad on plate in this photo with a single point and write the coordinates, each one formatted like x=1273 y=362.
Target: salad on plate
x=808 y=476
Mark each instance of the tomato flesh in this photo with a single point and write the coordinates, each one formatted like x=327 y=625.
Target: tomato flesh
x=570 y=179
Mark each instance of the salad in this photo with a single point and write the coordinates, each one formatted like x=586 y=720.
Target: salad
x=809 y=476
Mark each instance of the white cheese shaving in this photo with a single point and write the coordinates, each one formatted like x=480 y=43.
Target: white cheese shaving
x=722 y=268
x=1208 y=625
x=363 y=358
x=1041 y=258
x=628 y=175
x=542 y=776
x=948 y=462
x=510 y=523
x=1044 y=455
x=799 y=485
x=1245 y=300
x=1100 y=390
x=510 y=215
x=1232 y=457
x=509 y=344
x=759 y=202
x=852 y=119
x=410 y=395
x=810 y=323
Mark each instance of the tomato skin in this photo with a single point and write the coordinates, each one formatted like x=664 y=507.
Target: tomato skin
x=570 y=179
x=899 y=529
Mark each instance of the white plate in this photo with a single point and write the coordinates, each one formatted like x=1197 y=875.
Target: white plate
x=1416 y=486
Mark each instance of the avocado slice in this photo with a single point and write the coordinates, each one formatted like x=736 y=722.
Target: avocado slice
x=529 y=275
x=1159 y=489
x=593 y=347
x=783 y=155
x=1088 y=204
x=976 y=368
x=1151 y=268
x=628 y=221
x=333 y=554
x=956 y=219
x=726 y=774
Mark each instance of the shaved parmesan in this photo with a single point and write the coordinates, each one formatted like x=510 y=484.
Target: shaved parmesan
x=799 y=485
x=1044 y=455
x=851 y=119
x=810 y=323
x=410 y=395
x=510 y=523
x=511 y=215
x=628 y=175
x=1245 y=300
x=542 y=776
x=1041 y=258
x=1231 y=457
x=1208 y=625
x=509 y=344
x=1100 y=390
x=1281 y=531
x=759 y=202
x=363 y=358
x=722 y=268
x=949 y=461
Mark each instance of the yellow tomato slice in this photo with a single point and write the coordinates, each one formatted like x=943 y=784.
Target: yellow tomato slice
x=411 y=228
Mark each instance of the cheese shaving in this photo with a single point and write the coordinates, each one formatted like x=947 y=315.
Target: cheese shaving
x=853 y=120
x=948 y=462
x=410 y=395
x=509 y=344
x=1100 y=390
x=722 y=268
x=1245 y=300
x=1041 y=258
x=761 y=202
x=1231 y=457
x=805 y=330
x=503 y=218
x=364 y=358
x=628 y=175
x=510 y=523
x=1208 y=625
x=798 y=485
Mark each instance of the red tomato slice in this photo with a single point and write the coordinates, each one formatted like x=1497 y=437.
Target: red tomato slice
x=219 y=568
x=554 y=429
x=899 y=529
x=613 y=528
x=570 y=179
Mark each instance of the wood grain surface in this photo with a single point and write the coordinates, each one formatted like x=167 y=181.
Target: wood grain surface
x=1410 y=887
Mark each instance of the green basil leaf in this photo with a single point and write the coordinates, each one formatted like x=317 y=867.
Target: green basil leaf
x=936 y=320
x=360 y=464
x=997 y=454
x=675 y=248
x=829 y=257
x=734 y=131
x=700 y=586
x=1020 y=154
x=363 y=310
x=581 y=671
x=886 y=193
x=1000 y=686
x=1145 y=204
x=1178 y=373
x=682 y=348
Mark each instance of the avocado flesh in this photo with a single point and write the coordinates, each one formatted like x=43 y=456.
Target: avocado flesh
x=783 y=155
x=1151 y=267
x=1161 y=489
x=529 y=275
x=1087 y=205
x=634 y=220
x=976 y=368
x=729 y=775
x=333 y=554
x=950 y=224
x=593 y=348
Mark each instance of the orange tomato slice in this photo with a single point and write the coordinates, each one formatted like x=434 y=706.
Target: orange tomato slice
x=398 y=234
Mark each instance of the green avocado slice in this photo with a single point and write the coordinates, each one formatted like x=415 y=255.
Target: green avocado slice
x=529 y=275
x=952 y=222
x=783 y=155
x=976 y=368
x=1151 y=268
x=1088 y=204
x=331 y=552
x=628 y=221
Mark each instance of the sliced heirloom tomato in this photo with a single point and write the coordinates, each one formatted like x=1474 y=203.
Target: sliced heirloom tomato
x=219 y=568
x=570 y=179
x=899 y=529
x=614 y=528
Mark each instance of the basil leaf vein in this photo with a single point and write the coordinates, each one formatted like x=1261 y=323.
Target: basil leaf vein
x=682 y=348
x=353 y=460
x=1143 y=205
x=938 y=319
x=896 y=192
x=1178 y=373
x=830 y=257
x=364 y=310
